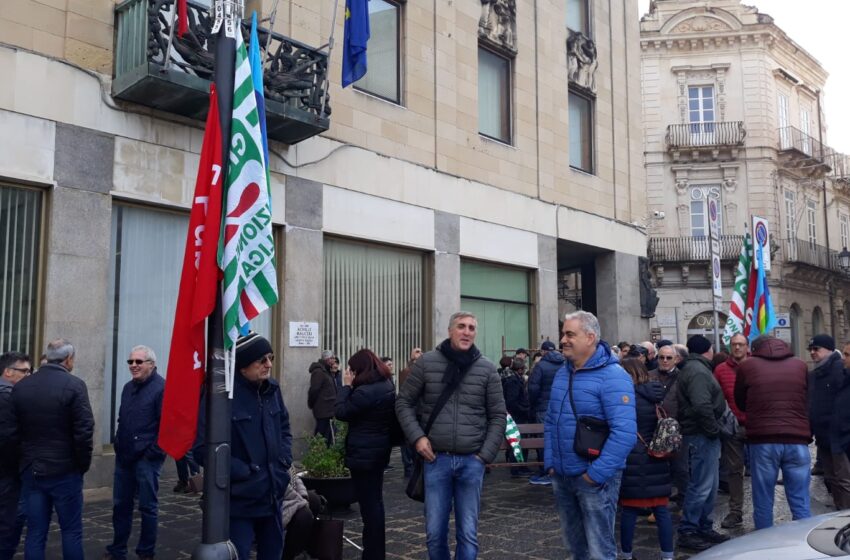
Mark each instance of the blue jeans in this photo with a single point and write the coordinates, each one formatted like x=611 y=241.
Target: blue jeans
x=64 y=493
x=704 y=458
x=141 y=479
x=12 y=516
x=453 y=479
x=663 y=521
x=587 y=515
x=766 y=459
x=267 y=532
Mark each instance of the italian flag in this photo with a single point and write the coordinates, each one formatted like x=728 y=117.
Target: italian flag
x=246 y=251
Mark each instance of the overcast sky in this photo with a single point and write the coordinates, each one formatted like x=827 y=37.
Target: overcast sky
x=817 y=26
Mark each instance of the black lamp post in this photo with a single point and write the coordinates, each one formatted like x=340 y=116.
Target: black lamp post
x=844 y=260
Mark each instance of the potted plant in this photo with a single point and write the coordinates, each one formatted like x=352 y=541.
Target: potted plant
x=325 y=471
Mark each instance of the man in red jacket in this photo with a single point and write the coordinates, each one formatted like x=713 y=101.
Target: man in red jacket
x=732 y=452
x=772 y=389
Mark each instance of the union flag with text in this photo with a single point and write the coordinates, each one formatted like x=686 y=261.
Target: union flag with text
x=246 y=252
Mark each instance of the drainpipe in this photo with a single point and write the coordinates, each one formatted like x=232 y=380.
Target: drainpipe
x=830 y=287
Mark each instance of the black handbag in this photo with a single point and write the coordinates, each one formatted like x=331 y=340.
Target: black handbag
x=591 y=432
x=416 y=485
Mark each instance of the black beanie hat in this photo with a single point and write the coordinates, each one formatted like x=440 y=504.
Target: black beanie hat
x=251 y=348
x=698 y=344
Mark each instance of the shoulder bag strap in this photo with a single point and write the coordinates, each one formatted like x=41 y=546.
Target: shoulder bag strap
x=572 y=402
x=441 y=402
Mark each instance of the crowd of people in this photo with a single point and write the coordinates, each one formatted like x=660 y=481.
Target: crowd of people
x=629 y=429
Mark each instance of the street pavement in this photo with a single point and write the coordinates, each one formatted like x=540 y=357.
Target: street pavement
x=517 y=520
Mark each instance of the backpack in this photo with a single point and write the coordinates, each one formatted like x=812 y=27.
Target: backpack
x=667 y=438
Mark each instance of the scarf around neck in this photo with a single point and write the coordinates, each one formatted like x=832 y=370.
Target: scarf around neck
x=459 y=361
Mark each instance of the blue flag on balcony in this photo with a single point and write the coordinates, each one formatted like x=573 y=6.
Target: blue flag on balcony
x=355 y=40
x=256 y=61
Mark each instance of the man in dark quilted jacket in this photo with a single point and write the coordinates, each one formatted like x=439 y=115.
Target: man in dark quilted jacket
x=465 y=436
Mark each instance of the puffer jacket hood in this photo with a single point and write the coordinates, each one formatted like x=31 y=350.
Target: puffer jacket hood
x=540 y=382
x=774 y=349
x=601 y=389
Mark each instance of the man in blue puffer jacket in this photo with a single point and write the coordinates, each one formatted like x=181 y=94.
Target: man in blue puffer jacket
x=586 y=491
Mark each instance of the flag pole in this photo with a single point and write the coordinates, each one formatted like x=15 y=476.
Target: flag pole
x=215 y=533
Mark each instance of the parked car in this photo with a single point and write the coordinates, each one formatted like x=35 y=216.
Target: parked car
x=824 y=536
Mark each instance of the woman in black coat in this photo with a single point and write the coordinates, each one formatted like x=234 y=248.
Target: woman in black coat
x=367 y=403
x=647 y=482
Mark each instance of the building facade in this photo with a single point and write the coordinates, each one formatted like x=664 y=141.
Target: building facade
x=733 y=109
x=492 y=151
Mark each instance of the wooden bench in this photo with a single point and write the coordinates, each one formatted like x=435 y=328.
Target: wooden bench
x=532 y=438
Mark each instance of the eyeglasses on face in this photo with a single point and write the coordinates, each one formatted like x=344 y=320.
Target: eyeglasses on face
x=264 y=359
x=666 y=358
x=25 y=371
x=736 y=344
x=136 y=362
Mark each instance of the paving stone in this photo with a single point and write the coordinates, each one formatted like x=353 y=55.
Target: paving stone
x=517 y=520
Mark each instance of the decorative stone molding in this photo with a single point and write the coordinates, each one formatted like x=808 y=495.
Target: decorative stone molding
x=497 y=24
x=581 y=61
x=686 y=272
x=701 y=24
x=700 y=75
x=681 y=176
x=730 y=176
x=684 y=213
x=730 y=219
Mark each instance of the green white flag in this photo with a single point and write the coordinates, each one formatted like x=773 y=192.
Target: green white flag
x=738 y=308
x=246 y=253
x=513 y=437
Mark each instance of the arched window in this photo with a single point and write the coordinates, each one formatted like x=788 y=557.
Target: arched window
x=796 y=335
x=817 y=321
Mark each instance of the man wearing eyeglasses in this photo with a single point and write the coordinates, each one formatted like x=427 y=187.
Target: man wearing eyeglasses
x=667 y=374
x=56 y=428
x=261 y=452
x=14 y=366
x=138 y=459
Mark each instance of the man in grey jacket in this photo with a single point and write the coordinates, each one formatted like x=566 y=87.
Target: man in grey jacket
x=465 y=435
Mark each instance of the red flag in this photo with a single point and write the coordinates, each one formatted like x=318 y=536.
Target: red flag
x=196 y=298
x=751 y=299
x=182 y=18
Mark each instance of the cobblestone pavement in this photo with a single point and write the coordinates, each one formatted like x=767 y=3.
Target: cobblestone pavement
x=518 y=520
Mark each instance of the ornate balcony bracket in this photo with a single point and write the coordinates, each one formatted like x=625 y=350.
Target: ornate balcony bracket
x=581 y=61
x=177 y=80
x=497 y=25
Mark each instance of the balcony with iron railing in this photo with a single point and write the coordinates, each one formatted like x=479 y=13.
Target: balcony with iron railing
x=800 y=151
x=801 y=251
x=705 y=135
x=156 y=68
x=692 y=249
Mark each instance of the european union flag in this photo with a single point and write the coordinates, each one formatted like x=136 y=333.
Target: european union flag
x=355 y=40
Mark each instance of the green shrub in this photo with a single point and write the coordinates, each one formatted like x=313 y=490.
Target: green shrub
x=323 y=461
